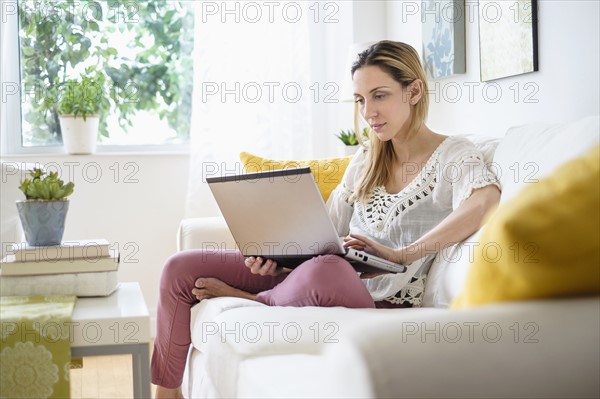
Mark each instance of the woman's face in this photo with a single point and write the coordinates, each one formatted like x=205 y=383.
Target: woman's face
x=382 y=102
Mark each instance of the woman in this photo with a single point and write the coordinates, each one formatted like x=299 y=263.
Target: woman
x=406 y=194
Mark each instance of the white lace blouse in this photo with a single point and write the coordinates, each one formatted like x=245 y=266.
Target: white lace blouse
x=448 y=178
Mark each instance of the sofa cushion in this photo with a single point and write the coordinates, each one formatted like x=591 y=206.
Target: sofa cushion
x=203 y=316
x=271 y=329
x=305 y=376
x=264 y=329
x=328 y=172
x=204 y=233
x=529 y=152
x=530 y=349
x=544 y=242
x=240 y=334
x=446 y=278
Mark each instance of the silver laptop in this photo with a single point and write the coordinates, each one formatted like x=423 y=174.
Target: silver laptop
x=280 y=215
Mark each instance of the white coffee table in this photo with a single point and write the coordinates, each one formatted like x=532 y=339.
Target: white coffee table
x=114 y=325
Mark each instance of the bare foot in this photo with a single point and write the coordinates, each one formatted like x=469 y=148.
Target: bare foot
x=209 y=287
x=168 y=393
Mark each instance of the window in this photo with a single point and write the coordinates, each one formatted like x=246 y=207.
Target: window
x=142 y=51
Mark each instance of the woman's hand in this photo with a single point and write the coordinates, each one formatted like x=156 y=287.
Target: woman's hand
x=263 y=267
x=363 y=243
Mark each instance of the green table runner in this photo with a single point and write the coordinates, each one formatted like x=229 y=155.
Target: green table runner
x=35 y=350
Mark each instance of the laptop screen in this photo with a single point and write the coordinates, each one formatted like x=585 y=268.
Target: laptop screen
x=276 y=213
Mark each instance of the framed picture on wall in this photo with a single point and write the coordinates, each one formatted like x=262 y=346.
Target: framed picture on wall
x=507 y=38
x=443 y=24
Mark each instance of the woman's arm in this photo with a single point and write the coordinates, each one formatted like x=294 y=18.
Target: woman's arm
x=460 y=224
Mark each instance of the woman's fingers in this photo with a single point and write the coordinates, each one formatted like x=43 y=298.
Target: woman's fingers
x=354 y=243
x=255 y=268
x=362 y=243
x=263 y=270
x=268 y=268
x=253 y=264
x=261 y=266
x=364 y=240
x=271 y=268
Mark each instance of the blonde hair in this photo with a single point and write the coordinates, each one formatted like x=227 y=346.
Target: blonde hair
x=402 y=63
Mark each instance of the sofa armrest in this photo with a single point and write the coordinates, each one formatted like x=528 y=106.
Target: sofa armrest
x=521 y=349
x=204 y=233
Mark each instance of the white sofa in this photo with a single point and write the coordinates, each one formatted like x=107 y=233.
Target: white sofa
x=543 y=348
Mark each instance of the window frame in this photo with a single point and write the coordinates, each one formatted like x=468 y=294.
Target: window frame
x=11 y=134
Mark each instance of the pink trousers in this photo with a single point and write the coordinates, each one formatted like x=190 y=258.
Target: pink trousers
x=322 y=281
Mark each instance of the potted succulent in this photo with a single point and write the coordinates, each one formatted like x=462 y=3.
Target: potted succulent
x=348 y=137
x=44 y=210
x=82 y=102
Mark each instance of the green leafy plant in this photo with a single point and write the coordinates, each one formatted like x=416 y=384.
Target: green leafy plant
x=84 y=97
x=348 y=137
x=45 y=186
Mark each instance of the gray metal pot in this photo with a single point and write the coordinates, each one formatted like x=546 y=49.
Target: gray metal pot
x=43 y=221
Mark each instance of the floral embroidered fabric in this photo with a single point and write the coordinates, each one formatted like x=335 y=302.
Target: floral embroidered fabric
x=382 y=207
x=411 y=293
x=35 y=353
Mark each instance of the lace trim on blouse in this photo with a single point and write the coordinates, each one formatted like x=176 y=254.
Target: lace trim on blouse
x=479 y=181
x=383 y=207
x=411 y=293
x=345 y=193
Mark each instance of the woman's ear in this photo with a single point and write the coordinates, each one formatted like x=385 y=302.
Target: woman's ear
x=415 y=91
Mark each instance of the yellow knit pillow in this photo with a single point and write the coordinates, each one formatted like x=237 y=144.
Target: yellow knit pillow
x=544 y=243
x=328 y=172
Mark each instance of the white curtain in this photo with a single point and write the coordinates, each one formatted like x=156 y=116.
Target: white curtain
x=267 y=78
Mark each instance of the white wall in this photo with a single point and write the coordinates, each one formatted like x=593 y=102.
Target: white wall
x=135 y=201
x=369 y=20
x=566 y=87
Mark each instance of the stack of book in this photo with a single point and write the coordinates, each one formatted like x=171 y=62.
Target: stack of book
x=81 y=268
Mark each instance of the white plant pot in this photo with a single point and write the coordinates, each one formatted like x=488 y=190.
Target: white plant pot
x=349 y=150
x=79 y=136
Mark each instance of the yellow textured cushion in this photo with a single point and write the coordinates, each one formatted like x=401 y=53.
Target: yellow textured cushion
x=328 y=172
x=544 y=243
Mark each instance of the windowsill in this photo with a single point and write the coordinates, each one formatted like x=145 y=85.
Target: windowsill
x=98 y=154
x=182 y=150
